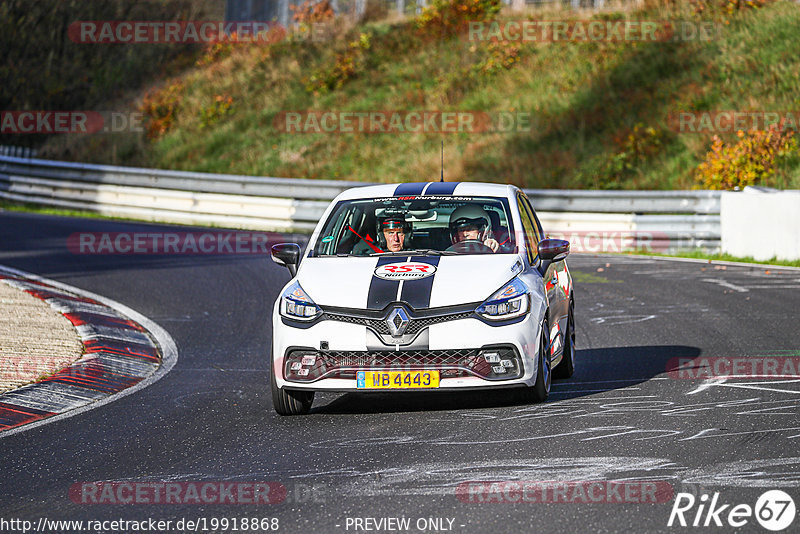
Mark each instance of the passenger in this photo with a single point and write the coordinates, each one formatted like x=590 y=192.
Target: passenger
x=472 y=223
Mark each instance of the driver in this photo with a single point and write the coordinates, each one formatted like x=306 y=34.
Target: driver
x=472 y=223
x=392 y=232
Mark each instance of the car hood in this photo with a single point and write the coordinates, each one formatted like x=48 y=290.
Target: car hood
x=371 y=282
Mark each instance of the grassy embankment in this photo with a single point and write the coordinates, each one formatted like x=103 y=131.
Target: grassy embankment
x=599 y=108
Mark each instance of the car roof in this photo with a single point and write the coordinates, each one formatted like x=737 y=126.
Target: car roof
x=429 y=188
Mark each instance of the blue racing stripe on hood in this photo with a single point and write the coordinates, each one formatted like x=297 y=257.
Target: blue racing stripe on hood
x=441 y=188
x=381 y=291
x=417 y=293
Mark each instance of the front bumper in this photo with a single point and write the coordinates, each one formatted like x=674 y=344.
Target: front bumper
x=467 y=352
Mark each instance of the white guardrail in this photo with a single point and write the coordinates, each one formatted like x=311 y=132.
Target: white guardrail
x=594 y=221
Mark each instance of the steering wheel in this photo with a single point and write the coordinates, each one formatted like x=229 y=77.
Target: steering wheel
x=473 y=246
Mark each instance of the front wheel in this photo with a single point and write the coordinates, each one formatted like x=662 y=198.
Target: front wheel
x=541 y=388
x=288 y=402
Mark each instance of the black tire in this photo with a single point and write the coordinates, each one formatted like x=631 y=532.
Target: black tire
x=566 y=368
x=544 y=375
x=287 y=402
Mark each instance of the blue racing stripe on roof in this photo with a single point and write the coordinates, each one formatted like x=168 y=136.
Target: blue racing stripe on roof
x=409 y=189
x=441 y=188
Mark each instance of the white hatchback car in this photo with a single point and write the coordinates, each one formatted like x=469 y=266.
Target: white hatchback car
x=420 y=286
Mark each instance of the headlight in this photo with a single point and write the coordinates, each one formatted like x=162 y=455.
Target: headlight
x=295 y=304
x=511 y=301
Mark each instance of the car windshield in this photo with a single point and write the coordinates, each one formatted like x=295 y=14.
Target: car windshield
x=430 y=225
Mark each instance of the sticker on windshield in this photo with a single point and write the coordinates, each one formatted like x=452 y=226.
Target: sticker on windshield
x=327 y=239
x=405 y=271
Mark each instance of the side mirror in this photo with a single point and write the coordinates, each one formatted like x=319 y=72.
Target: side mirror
x=551 y=250
x=288 y=255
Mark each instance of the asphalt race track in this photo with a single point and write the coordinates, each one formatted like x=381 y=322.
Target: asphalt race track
x=621 y=417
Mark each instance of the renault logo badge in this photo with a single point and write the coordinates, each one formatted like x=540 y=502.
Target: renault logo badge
x=397 y=322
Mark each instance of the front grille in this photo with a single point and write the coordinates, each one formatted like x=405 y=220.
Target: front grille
x=415 y=325
x=309 y=365
x=379 y=325
x=388 y=359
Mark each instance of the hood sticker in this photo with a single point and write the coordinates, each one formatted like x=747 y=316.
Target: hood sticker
x=405 y=271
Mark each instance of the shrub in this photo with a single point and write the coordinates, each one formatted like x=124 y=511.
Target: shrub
x=634 y=149
x=214 y=52
x=447 y=17
x=160 y=107
x=311 y=12
x=726 y=6
x=750 y=161
x=221 y=106
x=217 y=50
x=346 y=65
x=502 y=56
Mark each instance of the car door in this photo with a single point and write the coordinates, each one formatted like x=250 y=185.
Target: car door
x=555 y=278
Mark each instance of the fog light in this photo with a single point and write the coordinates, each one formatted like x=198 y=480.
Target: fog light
x=507 y=363
x=491 y=357
x=498 y=369
x=309 y=360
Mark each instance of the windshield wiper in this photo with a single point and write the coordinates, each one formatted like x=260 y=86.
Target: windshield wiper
x=418 y=252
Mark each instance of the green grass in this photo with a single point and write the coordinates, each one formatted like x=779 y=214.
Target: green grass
x=701 y=255
x=25 y=207
x=585 y=98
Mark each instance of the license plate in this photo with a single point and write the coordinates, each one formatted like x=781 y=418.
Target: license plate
x=397 y=379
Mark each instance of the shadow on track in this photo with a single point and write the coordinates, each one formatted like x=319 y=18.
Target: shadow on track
x=597 y=371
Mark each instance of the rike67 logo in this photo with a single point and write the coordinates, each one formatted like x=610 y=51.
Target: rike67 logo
x=774 y=510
